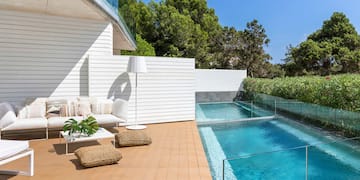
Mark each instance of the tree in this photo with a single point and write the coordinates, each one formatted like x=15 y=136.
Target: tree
x=143 y=48
x=177 y=28
x=252 y=54
x=333 y=49
x=225 y=48
x=189 y=28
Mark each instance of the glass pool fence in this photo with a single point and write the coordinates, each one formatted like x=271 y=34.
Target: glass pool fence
x=323 y=116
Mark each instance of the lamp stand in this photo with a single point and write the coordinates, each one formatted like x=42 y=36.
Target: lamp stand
x=136 y=126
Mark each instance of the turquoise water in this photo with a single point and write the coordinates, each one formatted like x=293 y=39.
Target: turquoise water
x=325 y=161
x=227 y=111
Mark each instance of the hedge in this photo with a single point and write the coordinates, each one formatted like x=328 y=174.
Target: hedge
x=337 y=91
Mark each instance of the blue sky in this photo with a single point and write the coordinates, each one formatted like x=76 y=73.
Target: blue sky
x=286 y=21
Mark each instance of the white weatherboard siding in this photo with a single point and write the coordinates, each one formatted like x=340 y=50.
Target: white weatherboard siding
x=165 y=93
x=215 y=80
x=45 y=56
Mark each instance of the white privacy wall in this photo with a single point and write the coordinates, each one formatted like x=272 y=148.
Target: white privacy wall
x=45 y=56
x=165 y=93
x=215 y=80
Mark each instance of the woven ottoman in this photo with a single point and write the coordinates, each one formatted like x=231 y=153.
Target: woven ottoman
x=132 y=138
x=99 y=155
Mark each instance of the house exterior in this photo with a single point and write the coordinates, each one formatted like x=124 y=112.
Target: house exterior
x=69 y=48
x=44 y=45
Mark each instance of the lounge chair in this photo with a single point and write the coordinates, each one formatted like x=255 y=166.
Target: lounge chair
x=11 y=150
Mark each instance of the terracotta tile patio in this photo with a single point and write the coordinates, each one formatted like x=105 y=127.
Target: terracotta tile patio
x=176 y=153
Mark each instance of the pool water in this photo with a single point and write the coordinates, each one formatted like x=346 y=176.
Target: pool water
x=231 y=140
x=227 y=111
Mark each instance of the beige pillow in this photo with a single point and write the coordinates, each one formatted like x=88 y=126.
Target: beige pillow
x=102 y=107
x=36 y=111
x=57 y=108
x=99 y=155
x=72 y=108
x=83 y=109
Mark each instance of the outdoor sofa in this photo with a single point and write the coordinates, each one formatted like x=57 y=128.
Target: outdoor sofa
x=51 y=113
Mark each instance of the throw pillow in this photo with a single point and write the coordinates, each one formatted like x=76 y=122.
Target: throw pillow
x=36 y=110
x=7 y=115
x=83 y=109
x=22 y=112
x=102 y=107
x=57 y=108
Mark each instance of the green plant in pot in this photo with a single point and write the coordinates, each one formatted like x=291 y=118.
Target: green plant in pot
x=87 y=126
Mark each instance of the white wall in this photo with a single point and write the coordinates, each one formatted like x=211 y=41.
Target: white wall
x=165 y=93
x=211 y=80
x=42 y=56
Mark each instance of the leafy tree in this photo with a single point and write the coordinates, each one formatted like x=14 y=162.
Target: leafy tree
x=177 y=28
x=225 y=48
x=189 y=28
x=252 y=54
x=244 y=50
x=143 y=48
x=335 y=48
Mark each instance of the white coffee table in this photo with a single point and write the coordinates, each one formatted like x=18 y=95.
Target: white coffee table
x=100 y=134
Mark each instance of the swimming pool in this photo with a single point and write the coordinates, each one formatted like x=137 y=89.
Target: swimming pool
x=228 y=111
x=239 y=139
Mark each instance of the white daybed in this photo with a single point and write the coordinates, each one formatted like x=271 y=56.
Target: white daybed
x=11 y=150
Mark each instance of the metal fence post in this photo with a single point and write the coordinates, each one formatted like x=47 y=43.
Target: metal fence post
x=306 y=163
x=252 y=108
x=275 y=107
x=223 y=169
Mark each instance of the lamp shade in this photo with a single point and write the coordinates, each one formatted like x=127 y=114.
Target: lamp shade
x=137 y=64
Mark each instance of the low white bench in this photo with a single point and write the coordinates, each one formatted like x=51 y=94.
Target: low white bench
x=11 y=150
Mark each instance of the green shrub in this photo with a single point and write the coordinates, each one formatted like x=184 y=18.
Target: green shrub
x=338 y=91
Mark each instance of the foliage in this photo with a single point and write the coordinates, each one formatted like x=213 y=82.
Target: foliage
x=177 y=28
x=71 y=126
x=333 y=49
x=87 y=126
x=143 y=48
x=245 y=50
x=189 y=28
x=337 y=91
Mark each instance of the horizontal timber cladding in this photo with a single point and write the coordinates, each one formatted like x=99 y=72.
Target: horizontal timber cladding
x=165 y=93
x=46 y=56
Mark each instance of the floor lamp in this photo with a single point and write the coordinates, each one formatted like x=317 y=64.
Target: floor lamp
x=137 y=64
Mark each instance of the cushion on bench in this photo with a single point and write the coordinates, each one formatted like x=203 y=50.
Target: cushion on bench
x=133 y=138
x=9 y=148
x=98 y=155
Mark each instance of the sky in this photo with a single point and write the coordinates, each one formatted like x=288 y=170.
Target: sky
x=285 y=21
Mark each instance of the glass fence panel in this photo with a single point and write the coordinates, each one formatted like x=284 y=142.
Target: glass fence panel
x=283 y=165
x=335 y=160
x=326 y=115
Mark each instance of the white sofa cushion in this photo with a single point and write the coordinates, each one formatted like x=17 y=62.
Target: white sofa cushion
x=56 y=122
x=30 y=123
x=120 y=109
x=9 y=148
x=107 y=118
x=7 y=115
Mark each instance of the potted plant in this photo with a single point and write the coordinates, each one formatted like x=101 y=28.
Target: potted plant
x=87 y=127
